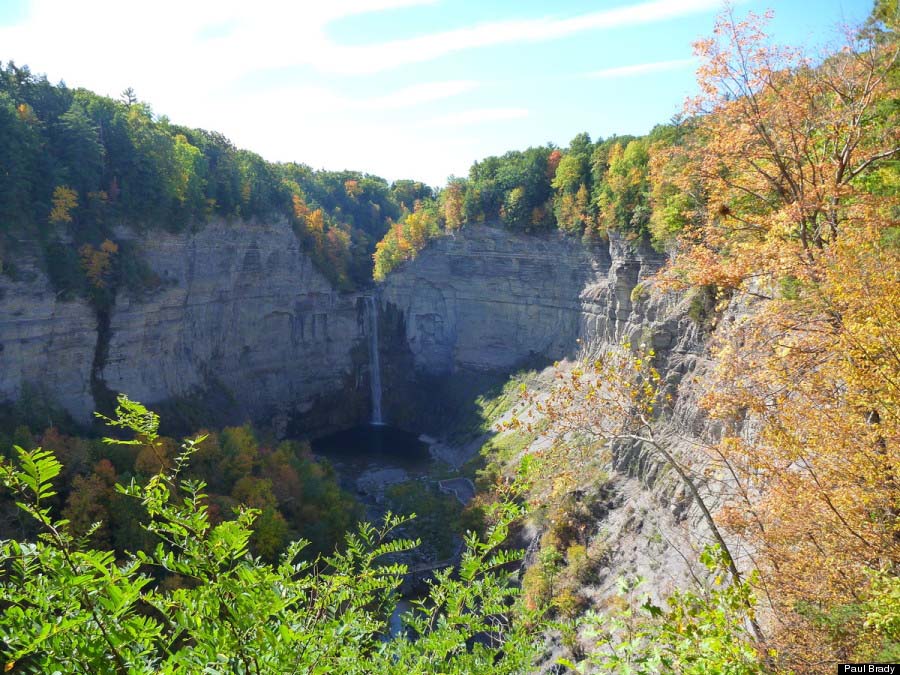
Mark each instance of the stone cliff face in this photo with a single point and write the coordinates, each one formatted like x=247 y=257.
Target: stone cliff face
x=241 y=313
x=241 y=310
x=46 y=344
x=488 y=299
x=241 y=307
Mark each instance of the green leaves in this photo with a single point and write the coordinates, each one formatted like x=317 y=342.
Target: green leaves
x=39 y=468
x=134 y=417
x=200 y=603
x=697 y=632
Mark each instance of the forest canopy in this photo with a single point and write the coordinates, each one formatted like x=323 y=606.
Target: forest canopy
x=777 y=194
x=76 y=164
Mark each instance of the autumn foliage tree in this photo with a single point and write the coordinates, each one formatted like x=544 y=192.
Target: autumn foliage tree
x=328 y=241
x=97 y=262
x=452 y=205
x=784 y=195
x=405 y=239
x=779 y=148
x=65 y=200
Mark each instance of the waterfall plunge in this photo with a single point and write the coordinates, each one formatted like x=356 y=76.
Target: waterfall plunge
x=374 y=362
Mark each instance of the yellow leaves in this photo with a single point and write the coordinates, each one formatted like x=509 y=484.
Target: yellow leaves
x=814 y=368
x=97 y=262
x=816 y=372
x=352 y=188
x=64 y=201
x=404 y=240
x=452 y=203
x=301 y=210
x=776 y=195
x=26 y=114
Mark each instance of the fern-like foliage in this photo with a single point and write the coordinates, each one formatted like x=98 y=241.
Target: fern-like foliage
x=201 y=603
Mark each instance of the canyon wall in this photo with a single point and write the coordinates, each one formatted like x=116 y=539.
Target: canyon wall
x=241 y=315
x=489 y=299
x=47 y=344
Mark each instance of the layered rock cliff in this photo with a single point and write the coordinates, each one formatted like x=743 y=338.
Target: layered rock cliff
x=241 y=316
x=242 y=308
x=46 y=344
x=488 y=299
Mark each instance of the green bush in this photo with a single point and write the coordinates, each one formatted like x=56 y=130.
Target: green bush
x=695 y=633
x=200 y=603
x=702 y=303
x=640 y=292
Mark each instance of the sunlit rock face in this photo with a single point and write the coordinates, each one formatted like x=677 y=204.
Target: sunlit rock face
x=46 y=343
x=487 y=298
x=240 y=310
x=242 y=318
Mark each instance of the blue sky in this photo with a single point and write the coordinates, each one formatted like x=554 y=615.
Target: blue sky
x=399 y=88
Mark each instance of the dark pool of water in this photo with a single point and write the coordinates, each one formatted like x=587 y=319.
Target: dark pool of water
x=369 y=447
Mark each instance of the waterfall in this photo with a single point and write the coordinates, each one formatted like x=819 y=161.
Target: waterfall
x=374 y=362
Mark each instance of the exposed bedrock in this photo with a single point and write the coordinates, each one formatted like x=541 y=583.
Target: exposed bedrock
x=242 y=309
x=487 y=299
x=241 y=321
x=46 y=344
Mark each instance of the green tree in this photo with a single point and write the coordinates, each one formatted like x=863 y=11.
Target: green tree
x=19 y=162
x=74 y=609
x=695 y=633
x=76 y=138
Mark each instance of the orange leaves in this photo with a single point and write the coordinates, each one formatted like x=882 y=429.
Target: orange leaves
x=97 y=263
x=776 y=151
x=301 y=210
x=405 y=239
x=781 y=191
x=352 y=188
x=330 y=243
x=815 y=371
x=553 y=162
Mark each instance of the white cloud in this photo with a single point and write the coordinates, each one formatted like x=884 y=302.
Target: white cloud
x=387 y=55
x=116 y=43
x=417 y=94
x=193 y=61
x=316 y=101
x=641 y=68
x=470 y=117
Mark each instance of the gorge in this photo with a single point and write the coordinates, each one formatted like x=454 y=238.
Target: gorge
x=238 y=304
x=640 y=392
x=242 y=322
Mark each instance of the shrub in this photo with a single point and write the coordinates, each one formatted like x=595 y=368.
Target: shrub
x=201 y=603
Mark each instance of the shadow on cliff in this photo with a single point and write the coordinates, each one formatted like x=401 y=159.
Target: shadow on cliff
x=448 y=405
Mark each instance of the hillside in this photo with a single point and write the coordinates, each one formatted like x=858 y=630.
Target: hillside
x=668 y=365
